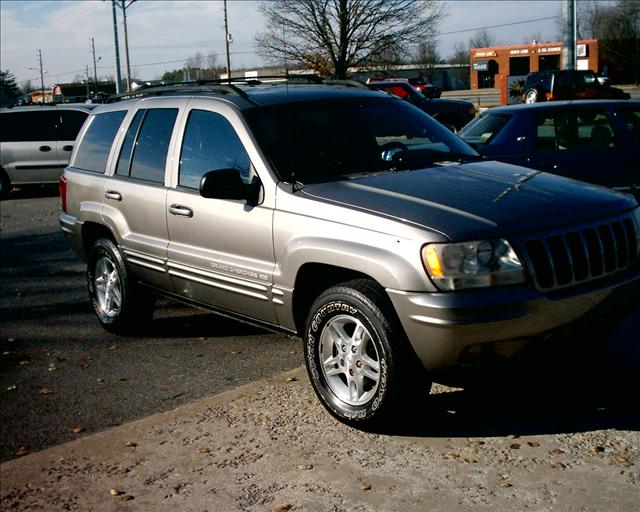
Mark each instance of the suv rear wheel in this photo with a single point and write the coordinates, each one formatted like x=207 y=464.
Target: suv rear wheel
x=358 y=360
x=118 y=303
x=531 y=96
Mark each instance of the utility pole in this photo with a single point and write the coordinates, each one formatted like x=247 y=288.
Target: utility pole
x=569 y=39
x=95 y=69
x=126 y=44
x=41 y=75
x=87 y=80
x=117 y=48
x=124 y=6
x=226 y=41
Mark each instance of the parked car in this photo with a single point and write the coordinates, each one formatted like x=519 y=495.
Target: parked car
x=427 y=89
x=344 y=216
x=592 y=140
x=568 y=84
x=454 y=114
x=36 y=142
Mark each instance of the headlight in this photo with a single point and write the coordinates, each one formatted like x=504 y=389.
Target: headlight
x=453 y=266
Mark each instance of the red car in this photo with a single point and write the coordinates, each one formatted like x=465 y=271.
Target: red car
x=429 y=90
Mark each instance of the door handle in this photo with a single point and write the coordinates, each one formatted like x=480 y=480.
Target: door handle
x=67 y=148
x=45 y=148
x=182 y=211
x=112 y=194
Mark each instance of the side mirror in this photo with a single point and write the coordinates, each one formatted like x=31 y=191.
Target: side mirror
x=228 y=184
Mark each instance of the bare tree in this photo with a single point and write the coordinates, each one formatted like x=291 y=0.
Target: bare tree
x=616 y=25
x=201 y=66
x=330 y=36
x=428 y=53
x=482 y=39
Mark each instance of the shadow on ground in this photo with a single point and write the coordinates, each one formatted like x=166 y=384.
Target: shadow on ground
x=573 y=389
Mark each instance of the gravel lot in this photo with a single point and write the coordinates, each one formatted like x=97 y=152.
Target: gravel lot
x=562 y=434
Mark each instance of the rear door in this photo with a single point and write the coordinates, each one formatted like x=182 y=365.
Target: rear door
x=70 y=122
x=580 y=143
x=30 y=147
x=135 y=196
x=220 y=250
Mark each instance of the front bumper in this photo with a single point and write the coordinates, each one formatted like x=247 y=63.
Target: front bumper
x=445 y=328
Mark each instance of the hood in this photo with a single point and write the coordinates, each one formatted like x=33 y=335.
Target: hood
x=475 y=200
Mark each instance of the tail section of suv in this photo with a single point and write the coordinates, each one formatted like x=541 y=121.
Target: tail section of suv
x=568 y=84
x=344 y=216
x=36 y=142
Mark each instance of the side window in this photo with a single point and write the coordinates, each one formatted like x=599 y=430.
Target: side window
x=29 y=126
x=151 y=146
x=210 y=143
x=72 y=121
x=93 y=151
x=574 y=129
x=631 y=119
x=124 y=160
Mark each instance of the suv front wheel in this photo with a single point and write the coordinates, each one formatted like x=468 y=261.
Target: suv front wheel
x=357 y=358
x=119 y=305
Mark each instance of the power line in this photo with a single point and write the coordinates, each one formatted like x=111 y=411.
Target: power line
x=146 y=64
x=498 y=26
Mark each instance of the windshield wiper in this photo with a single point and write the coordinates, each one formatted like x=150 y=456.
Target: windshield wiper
x=418 y=158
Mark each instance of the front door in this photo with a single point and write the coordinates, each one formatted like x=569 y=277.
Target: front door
x=220 y=251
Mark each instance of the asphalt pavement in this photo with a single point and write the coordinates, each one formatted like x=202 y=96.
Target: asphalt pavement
x=63 y=377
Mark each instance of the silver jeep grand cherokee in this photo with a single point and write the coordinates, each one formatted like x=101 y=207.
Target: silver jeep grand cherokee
x=347 y=217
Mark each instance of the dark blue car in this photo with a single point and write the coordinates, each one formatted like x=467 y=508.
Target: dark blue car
x=597 y=141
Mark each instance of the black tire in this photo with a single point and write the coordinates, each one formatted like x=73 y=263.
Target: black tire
x=532 y=96
x=5 y=184
x=120 y=305
x=358 y=359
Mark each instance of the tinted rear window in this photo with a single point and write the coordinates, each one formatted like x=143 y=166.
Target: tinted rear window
x=94 y=149
x=150 y=150
x=72 y=121
x=28 y=126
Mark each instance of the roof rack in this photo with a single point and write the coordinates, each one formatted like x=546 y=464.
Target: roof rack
x=226 y=86
x=197 y=86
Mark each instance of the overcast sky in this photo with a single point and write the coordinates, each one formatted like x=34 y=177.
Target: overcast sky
x=163 y=33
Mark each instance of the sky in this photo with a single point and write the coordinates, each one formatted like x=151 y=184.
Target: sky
x=163 y=34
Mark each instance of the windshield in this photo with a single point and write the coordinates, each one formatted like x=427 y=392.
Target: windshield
x=347 y=138
x=484 y=128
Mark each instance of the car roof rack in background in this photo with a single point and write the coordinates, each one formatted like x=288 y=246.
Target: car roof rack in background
x=225 y=86
x=197 y=86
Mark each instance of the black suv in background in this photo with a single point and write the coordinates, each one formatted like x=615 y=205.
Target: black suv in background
x=454 y=114
x=568 y=84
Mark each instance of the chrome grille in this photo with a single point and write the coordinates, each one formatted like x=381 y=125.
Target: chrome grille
x=582 y=254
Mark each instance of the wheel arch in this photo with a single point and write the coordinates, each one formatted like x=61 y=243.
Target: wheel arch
x=92 y=231
x=311 y=280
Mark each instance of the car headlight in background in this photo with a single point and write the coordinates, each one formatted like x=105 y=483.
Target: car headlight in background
x=453 y=266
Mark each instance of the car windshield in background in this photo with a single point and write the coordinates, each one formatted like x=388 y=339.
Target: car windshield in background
x=318 y=141
x=484 y=128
